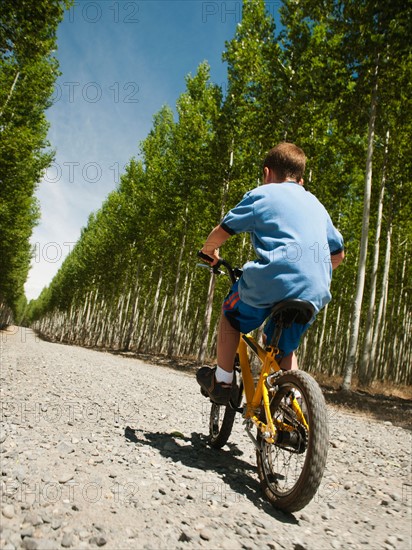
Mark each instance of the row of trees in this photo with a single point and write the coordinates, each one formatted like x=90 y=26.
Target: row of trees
x=336 y=80
x=27 y=74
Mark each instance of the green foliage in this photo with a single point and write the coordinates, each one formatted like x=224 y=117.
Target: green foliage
x=27 y=74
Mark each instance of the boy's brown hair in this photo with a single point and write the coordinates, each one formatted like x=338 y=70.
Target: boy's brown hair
x=287 y=160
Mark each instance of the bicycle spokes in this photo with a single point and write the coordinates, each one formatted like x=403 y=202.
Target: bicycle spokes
x=290 y=469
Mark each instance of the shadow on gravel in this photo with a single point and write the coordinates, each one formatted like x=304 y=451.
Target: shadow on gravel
x=195 y=453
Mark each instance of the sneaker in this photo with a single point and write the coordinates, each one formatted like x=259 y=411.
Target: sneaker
x=219 y=392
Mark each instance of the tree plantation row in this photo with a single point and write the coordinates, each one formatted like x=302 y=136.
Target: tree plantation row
x=324 y=80
x=28 y=70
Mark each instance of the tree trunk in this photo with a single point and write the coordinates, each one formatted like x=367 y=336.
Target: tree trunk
x=378 y=332
x=184 y=342
x=159 y=327
x=125 y=321
x=155 y=309
x=364 y=375
x=175 y=299
x=135 y=294
x=360 y=282
x=179 y=318
x=211 y=290
x=321 y=338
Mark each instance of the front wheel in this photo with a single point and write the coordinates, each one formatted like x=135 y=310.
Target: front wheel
x=291 y=469
x=220 y=425
x=222 y=417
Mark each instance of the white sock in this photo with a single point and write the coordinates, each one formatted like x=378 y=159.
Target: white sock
x=223 y=376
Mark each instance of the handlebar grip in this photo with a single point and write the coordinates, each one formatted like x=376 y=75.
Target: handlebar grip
x=205 y=257
x=234 y=274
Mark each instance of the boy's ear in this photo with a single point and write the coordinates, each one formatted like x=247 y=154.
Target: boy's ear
x=266 y=174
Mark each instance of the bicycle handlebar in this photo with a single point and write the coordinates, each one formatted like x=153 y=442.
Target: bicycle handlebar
x=234 y=273
x=205 y=257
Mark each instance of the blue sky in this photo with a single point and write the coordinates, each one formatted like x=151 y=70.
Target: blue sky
x=120 y=62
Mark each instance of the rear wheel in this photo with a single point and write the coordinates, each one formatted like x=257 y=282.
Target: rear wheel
x=290 y=470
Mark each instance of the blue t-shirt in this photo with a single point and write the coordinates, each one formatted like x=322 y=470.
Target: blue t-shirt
x=293 y=237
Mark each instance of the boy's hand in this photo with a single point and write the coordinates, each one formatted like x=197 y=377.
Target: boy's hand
x=337 y=259
x=211 y=257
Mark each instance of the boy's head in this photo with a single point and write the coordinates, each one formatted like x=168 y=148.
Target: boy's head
x=286 y=161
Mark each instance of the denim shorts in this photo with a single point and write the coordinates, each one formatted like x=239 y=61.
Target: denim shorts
x=245 y=318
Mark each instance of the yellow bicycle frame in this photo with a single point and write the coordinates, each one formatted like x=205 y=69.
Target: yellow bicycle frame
x=255 y=395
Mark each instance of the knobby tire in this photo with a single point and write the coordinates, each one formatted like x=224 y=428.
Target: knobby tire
x=279 y=464
x=222 y=417
x=220 y=430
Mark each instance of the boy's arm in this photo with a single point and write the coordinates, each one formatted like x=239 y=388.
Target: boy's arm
x=337 y=259
x=215 y=239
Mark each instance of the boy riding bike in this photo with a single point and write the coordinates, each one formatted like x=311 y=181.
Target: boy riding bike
x=297 y=247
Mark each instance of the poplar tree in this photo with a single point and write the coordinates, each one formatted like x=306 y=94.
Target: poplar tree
x=379 y=30
x=27 y=75
x=252 y=120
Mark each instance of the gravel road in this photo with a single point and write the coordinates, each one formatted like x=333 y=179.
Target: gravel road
x=104 y=450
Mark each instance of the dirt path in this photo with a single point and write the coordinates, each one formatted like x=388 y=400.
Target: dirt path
x=102 y=450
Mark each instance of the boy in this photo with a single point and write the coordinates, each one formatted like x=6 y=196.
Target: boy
x=297 y=247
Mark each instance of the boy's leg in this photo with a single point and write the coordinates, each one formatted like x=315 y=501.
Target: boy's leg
x=227 y=343
x=289 y=362
x=217 y=382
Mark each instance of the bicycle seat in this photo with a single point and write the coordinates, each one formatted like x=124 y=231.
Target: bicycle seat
x=293 y=311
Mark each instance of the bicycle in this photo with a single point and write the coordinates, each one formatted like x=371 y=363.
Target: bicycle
x=287 y=408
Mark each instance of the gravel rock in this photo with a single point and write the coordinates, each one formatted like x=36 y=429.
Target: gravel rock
x=66 y=476
x=105 y=450
x=206 y=534
x=8 y=511
x=98 y=541
x=67 y=540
